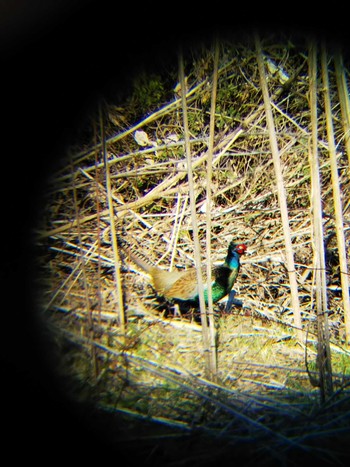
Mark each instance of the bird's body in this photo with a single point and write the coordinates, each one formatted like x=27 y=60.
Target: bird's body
x=181 y=286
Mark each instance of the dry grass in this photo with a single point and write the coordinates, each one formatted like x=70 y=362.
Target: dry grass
x=157 y=369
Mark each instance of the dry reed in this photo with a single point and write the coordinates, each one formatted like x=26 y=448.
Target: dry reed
x=154 y=196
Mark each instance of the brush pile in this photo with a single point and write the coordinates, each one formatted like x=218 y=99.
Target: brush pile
x=156 y=370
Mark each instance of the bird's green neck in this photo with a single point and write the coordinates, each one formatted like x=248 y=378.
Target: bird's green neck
x=224 y=277
x=232 y=259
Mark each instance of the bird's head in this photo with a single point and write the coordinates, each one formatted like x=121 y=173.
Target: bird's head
x=240 y=248
x=235 y=251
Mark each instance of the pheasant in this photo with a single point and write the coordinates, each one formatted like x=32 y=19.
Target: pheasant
x=181 y=286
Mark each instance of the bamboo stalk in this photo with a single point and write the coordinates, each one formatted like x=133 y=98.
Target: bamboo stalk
x=339 y=222
x=323 y=349
x=282 y=199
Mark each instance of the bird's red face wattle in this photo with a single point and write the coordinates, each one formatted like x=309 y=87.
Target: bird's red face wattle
x=241 y=249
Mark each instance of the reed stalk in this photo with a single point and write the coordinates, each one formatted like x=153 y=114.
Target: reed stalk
x=210 y=365
x=209 y=190
x=156 y=370
x=116 y=257
x=323 y=348
x=344 y=100
x=336 y=187
x=282 y=199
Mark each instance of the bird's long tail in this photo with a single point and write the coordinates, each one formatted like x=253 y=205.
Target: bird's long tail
x=135 y=256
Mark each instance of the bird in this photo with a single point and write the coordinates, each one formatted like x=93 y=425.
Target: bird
x=181 y=287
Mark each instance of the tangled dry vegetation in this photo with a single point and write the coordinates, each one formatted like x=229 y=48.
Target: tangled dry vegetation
x=156 y=370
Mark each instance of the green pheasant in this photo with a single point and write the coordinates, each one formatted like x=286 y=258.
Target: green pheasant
x=181 y=286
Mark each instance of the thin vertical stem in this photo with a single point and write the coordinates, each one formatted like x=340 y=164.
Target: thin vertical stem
x=343 y=93
x=116 y=257
x=196 y=248
x=338 y=209
x=323 y=348
x=90 y=329
x=320 y=267
x=98 y=218
x=208 y=208
x=282 y=199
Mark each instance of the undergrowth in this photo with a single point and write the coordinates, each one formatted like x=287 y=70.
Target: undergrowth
x=156 y=370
